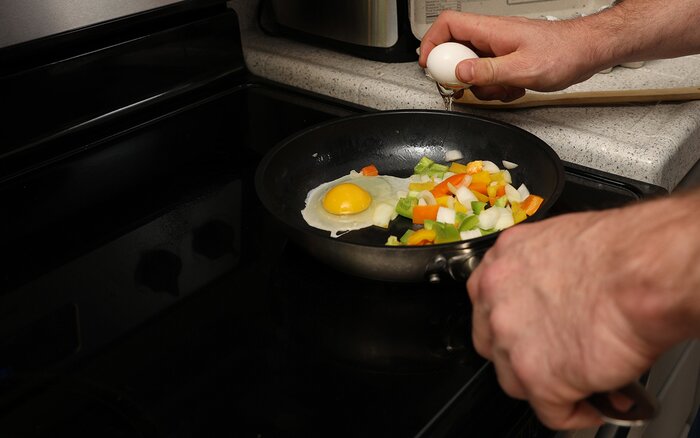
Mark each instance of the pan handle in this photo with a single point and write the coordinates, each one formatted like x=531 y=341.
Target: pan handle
x=642 y=405
x=458 y=265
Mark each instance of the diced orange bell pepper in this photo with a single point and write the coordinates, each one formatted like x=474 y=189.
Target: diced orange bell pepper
x=479 y=187
x=501 y=190
x=474 y=167
x=480 y=196
x=442 y=189
x=531 y=204
x=423 y=212
x=370 y=170
x=458 y=168
x=421 y=237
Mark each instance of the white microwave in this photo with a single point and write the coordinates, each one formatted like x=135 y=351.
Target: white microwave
x=422 y=13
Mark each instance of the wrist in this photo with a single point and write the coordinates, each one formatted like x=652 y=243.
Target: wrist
x=656 y=280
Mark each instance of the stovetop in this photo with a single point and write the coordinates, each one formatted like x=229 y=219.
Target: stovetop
x=145 y=291
x=169 y=303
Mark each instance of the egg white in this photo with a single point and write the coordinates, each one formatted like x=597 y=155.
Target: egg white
x=382 y=188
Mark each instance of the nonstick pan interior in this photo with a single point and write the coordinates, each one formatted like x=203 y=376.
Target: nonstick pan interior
x=394 y=141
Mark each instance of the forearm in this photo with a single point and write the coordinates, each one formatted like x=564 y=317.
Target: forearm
x=657 y=267
x=638 y=30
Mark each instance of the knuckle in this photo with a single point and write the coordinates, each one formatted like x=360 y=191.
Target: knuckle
x=488 y=71
x=481 y=345
x=500 y=325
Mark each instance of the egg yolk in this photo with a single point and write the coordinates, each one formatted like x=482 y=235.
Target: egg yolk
x=346 y=198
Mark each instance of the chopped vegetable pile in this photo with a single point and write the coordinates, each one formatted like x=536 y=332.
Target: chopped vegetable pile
x=461 y=201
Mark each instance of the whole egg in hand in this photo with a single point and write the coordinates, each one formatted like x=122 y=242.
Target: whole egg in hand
x=349 y=202
x=442 y=63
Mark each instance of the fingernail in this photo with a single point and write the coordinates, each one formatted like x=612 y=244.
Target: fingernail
x=465 y=71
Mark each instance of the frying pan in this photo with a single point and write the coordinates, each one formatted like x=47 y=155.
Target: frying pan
x=394 y=141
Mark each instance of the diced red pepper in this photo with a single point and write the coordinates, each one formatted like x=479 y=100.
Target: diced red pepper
x=442 y=189
x=370 y=170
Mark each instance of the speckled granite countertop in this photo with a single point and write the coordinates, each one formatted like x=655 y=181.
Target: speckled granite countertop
x=654 y=143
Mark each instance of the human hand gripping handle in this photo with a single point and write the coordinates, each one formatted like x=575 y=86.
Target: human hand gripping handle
x=630 y=405
x=581 y=304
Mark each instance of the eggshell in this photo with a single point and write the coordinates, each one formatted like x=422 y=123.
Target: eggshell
x=442 y=63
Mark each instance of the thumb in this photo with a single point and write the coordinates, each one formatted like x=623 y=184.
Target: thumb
x=486 y=71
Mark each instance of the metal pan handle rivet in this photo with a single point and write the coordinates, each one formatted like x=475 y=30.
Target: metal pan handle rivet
x=643 y=406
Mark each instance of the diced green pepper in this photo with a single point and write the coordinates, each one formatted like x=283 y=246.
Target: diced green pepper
x=406 y=235
x=459 y=217
x=501 y=202
x=404 y=206
x=489 y=231
x=430 y=224
x=446 y=233
x=469 y=223
x=393 y=241
x=436 y=169
x=478 y=206
x=422 y=166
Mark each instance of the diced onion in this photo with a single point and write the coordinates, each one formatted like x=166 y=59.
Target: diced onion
x=507 y=178
x=524 y=192
x=471 y=234
x=428 y=197
x=490 y=167
x=453 y=155
x=447 y=175
x=513 y=194
x=421 y=201
x=424 y=178
x=509 y=164
x=355 y=174
x=451 y=188
x=445 y=215
x=505 y=219
x=466 y=181
x=465 y=196
x=401 y=194
x=382 y=215
x=488 y=218
x=450 y=202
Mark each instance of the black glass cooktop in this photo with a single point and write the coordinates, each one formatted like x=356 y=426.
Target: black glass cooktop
x=148 y=293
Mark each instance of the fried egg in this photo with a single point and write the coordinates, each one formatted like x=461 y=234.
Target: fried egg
x=349 y=202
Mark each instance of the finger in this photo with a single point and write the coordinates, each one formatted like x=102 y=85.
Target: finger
x=481 y=332
x=566 y=416
x=498 y=92
x=482 y=338
x=438 y=33
x=510 y=383
x=502 y=70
